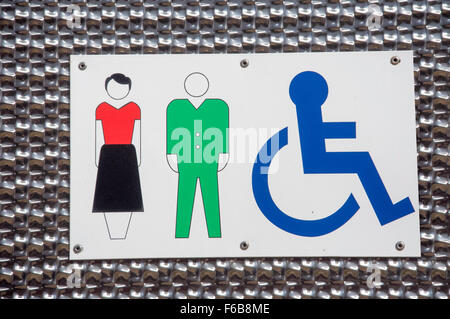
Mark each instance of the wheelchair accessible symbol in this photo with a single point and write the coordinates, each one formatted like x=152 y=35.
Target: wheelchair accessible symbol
x=308 y=91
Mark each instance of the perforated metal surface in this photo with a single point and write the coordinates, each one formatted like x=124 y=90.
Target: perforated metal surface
x=35 y=44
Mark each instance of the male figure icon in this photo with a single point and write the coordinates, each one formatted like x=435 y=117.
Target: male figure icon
x=309 y=90
x=197 y=149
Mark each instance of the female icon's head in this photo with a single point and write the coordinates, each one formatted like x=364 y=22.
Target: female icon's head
x=196 y=84
x=308 y=88
x=118 y=86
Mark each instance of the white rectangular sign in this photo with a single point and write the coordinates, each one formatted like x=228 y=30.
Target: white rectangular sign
x=243 y=155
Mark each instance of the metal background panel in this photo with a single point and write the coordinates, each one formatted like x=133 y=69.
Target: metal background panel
x=35 y=44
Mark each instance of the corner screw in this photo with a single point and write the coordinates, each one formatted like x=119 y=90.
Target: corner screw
x=82 y=66
x=77 y=249
x=244 y=63
x=244 y=245
x=395 y=60
x=400 y=245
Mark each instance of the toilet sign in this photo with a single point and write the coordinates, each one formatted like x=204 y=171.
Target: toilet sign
x=265 y=155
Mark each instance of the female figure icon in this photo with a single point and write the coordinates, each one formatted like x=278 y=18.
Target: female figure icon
x=118 y=189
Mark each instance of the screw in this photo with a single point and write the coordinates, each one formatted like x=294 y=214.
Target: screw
x=244 y=245
x=82 y=66
x=244 y=63
x=395 y=60
x=400 y=245
x=77 y=249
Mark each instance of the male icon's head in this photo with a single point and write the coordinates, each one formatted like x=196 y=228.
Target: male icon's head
x=196 y=84
x=308 y=88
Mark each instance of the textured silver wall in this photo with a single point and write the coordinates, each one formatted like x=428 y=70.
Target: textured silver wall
x=35 y=44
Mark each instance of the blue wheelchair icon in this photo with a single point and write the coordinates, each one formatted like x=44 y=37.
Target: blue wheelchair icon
x=308 y=91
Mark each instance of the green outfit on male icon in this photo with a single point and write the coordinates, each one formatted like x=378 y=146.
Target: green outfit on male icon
x=197 y=137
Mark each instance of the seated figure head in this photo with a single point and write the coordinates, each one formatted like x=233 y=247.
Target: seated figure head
x=308 y=88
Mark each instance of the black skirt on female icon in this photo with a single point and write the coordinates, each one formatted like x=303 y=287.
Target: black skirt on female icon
x=118 y=187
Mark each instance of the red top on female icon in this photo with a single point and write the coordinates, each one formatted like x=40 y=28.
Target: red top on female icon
x=118 y=124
